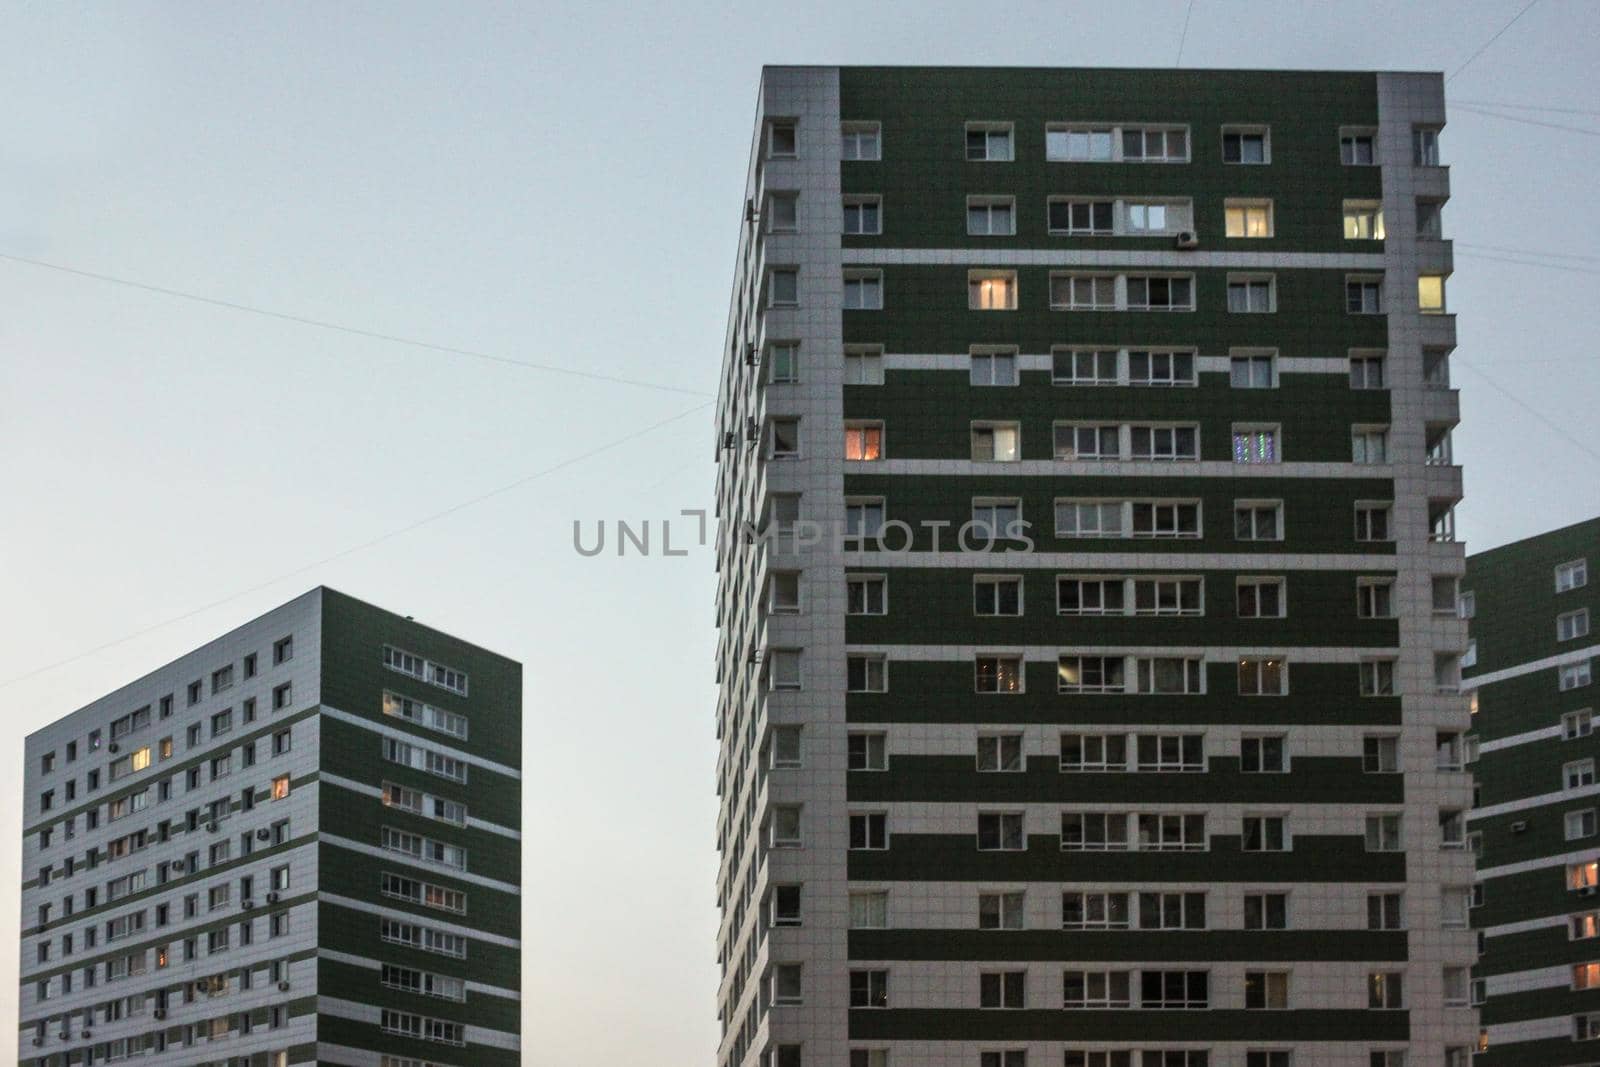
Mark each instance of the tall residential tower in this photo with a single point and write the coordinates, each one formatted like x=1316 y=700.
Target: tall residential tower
x=1531 y=667
x=1156 y=780
x=297 y=844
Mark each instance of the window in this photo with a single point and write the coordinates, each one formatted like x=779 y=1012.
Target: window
x=783 y=362
x=989 y=142
x=1363 y=295
x=863 y=290
x=1430 y=294
x=863 y=441
x=863 y=215
x=1161 y=368
x=783 y=212
x=1357 y=149
x=1262 y=754
x=1425 y=146
x=1170 y=752
x=1266 y=990
x=1000 y=753
x=783 y=592
x=995 y=595
x=1255 y=444
x=785 y=748
x=1260 y=598
x=1264 y=833
x=1383 y=911
x=1157 y=518
x=993 y=366
x=1363 y=220
x=1000 y=911
x=1169 y=674
x=1156 y=217
x=1169 y=832
x=1385 y=989
x=991 y=216
x=1266 y=911
x=1377 y=677
x=1430 y=219
x=1247 y=218
x=1577 y=774
x=1576 y=724
x=1083 y=366
x=1078 y=442
x=1580 y=824
x=1001 y=989
x=863 y=365
x=1251 y=294
x=1091 y=674
x=1263 y=677
x=869 y=989
x=861 y=141
x=996 y=442
x=1094 y=752
x=1449 y=751
x=1251 y=371
x=1080 y=144
x=1083 y=292
x=992 y=290
x=1383 y=833
x=785 y=826
x=1374 y=598
x=1180 y=442
x=783 y=438
x=868 y=911
x=1572 y=575
x=425 y=715
x=1573 y=676
x=1160 y=292
x=996 y=518
x=1167 y=596
x=1155 y=144
x=1172 y=911
x=1094 y=911
x=782 y=139
x=783 y=287
x=1080 y=217
x=1583 y=875
x=1257 y=520
x=282 y=696
x=1372 y=522
x=1245 y=144
x=1000 y=831
x=1572 y=624
x=867 y=752
x=864 y=673
x=869 y=830
x=1095 y=989
x=1366 y=369
x=1173 y=989
x=786 y=984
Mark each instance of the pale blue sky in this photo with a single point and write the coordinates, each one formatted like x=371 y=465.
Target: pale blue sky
x=561 y=184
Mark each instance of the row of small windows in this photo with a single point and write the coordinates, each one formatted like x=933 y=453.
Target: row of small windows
x=997 y=290
x=222 y=679
x=1109 y=750
x=1000 y=365
x=1122 y=909
x=1101 y=594
x=1088 y=142
x=426 y=670
x=995 y=215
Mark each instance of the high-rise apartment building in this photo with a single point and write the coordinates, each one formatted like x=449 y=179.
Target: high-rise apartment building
x=1153 y=782
x=1531 y=667
x=298 y=843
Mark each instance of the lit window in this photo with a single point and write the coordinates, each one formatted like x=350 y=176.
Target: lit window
x=1363 y=220
x=1430 y=294
x=1247 y=218
x=992 y=290
x=1255 y=444
x=998 y=674
x=996 y=443
x=863 y=441
x=280 y=787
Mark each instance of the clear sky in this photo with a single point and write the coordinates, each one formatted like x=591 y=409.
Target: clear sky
x=562 y=184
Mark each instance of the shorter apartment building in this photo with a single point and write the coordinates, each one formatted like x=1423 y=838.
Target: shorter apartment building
x=1536 y=905
x=299 y=843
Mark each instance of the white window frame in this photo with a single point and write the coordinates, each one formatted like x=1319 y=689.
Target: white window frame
x=1246 y=130
x=981 y=290
x=1247 y=213
x=988 y=204
x=860 y=134
x=989 y=130
x=868 y=287
x=860 y=202
x=1571 y=625
x=1249 y=281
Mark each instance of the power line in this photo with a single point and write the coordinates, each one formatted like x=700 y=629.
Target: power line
x=1184 y=37
x=1529 y=408
x=1527 y=251
x=353 y=330
x=1567 y=267
x=1485 y=46
x=363 y=546
x=1524 y=107
x=1527 y=121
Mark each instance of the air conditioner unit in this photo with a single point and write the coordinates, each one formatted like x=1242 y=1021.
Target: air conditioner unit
x=750 y=214
x=177 y=866
x=272 y=898
x=212 y=826
x=1519 y=826
x=1187 y=239
x=65 y=1035
x=38 y=1041
x=750 y=353
x=247 y=904
x=263 y=834
x=115 y=747
x=86 y=1035
x=283 y=987
x=729 y=439
x=160 y=1013
x=752 y=431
